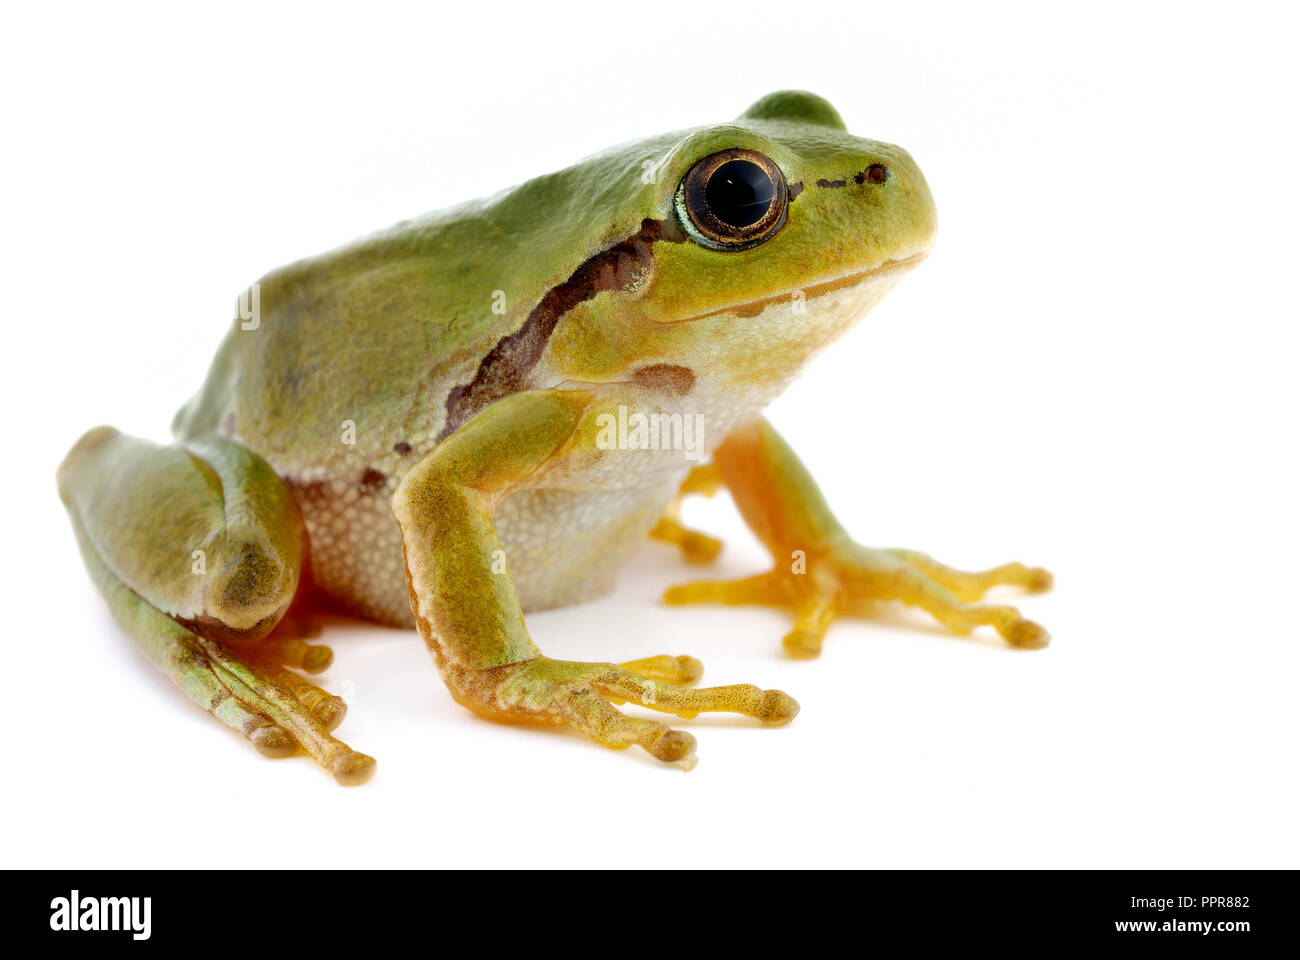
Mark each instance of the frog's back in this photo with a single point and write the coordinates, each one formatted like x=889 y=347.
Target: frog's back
x=341 y=380
x=368 y=335
x=379 y=332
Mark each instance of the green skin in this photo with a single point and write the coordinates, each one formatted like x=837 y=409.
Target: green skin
x=328 y=438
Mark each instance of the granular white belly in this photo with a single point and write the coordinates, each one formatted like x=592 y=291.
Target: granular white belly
x=562 y=545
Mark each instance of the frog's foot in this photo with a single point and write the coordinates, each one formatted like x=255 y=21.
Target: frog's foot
x=697 y=548
x=286 y=644
x=293 y=651
x=821 y=584
x=276 y=710
x=582 y=695
x=328 y=709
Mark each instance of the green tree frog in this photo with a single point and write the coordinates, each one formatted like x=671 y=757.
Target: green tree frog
x=473 y=414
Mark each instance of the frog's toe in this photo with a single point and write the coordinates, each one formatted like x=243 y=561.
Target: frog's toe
x=770 y=706
x=685 y=671
x=595 y=716
x=353 y=769
x=273 y=740
x=816 y=601
x=768 y=589
x=815 y=617
x=292 y=651
x=1027 y=635
x=915 y=586
x=584 y=696
x=697 y=548
x=194 y=672
x=328 y=709
x=972 y=585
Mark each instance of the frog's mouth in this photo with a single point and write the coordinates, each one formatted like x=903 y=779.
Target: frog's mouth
x=752 y=308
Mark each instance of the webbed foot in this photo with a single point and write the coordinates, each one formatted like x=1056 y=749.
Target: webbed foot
x=583 y=696
x=821 y=584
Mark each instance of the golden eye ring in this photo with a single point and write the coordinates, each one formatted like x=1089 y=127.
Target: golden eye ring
x=732 y=200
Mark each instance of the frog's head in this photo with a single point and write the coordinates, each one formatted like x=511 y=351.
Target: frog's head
x=745 y=247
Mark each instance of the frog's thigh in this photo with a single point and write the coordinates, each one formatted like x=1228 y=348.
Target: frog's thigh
x=198 y=553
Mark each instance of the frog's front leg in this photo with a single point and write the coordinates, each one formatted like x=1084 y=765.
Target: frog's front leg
x=469 y=616
x=821 y=572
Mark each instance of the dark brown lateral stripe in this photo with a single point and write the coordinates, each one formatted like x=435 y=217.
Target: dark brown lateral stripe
x=506 y=367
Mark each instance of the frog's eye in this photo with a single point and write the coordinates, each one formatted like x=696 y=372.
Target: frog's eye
x=732 y=200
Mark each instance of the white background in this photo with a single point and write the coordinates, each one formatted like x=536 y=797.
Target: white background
x=1094 y=371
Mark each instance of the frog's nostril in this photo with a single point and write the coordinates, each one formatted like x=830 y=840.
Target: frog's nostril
x=876 y=173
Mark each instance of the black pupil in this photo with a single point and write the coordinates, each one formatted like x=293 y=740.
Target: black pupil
x=739 y=193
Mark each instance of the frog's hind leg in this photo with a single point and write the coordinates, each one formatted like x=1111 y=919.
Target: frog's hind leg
x=198 y=552
x=697 y=548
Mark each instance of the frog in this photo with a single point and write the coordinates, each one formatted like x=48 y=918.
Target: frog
x=477 y=413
